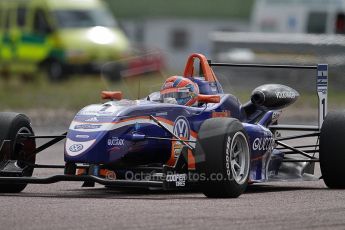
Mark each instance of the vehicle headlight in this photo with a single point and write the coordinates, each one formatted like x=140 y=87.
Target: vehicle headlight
x=101 y=35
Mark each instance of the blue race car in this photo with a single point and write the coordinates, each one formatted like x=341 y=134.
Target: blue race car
x=189 y=135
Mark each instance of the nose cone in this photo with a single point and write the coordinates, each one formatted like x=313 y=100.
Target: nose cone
x=93 y=135
x=100 y=134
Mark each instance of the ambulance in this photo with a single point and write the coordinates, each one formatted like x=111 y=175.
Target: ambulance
x=58 y=36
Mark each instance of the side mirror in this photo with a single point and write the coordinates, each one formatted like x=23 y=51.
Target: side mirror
x=111 y=95
x=208 y=98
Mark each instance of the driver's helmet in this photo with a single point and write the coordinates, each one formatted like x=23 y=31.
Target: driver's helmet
x=179 y=90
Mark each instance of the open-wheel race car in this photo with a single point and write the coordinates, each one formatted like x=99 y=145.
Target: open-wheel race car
x=189 y=135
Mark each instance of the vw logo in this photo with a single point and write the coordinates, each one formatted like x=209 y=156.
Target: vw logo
x=181 y=127
x=76 y=147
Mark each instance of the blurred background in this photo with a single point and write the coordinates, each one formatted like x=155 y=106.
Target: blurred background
x=56 y=56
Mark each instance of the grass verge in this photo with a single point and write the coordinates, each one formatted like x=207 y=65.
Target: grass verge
x=79 y=91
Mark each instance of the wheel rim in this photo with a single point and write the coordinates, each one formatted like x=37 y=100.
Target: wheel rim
x=21 y=147
x=239 y=157
x=55 y=70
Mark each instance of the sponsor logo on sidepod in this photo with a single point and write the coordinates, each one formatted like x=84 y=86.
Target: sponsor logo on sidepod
x=182 y=130
x=181 y=127
x=116 y=142
x=263 y=143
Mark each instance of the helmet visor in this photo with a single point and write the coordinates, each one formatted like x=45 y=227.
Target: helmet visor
x=181 y=95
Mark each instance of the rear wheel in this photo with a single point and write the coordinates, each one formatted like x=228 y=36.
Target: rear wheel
x=112 y=71
x=55 y=70
x=332 y=150
x=223 y=158
x=11 y=124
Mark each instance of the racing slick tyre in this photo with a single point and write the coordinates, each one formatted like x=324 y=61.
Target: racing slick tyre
x=332 y=150
x=11 y=124
x=222 y=158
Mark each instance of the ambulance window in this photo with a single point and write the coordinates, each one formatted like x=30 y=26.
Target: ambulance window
x=7 y=20
x=317 y=22
x=1 y=18
x=21 y=16
x=340 y=24
x=41 y=25
x=70 y=18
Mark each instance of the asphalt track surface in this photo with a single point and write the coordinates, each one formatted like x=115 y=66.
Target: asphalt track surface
x=65 y=205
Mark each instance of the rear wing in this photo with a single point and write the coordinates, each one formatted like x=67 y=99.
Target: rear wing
x=321 y=73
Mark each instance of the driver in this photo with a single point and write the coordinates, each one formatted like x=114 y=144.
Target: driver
x=180 y=90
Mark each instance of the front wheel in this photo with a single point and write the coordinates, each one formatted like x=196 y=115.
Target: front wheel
x=332 y=150
x=222 y=158
x=11 y=125
x=55 y=70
